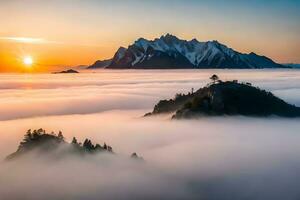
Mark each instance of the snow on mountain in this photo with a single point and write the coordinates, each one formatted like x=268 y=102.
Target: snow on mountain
x=170 y=52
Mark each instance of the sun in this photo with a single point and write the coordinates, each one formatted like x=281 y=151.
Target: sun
x=27 y=60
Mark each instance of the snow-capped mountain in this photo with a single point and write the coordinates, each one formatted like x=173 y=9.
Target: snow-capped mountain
x=170 y=52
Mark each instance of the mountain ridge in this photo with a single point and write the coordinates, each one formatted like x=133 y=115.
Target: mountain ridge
x=169 y=52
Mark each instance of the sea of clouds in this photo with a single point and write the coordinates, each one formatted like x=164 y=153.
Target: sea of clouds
x=207 y=158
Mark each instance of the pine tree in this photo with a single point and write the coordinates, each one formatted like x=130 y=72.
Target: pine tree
x=28 y=136
x=60 y=136
x=105 y=146
x=87 y=144
x=74 y=141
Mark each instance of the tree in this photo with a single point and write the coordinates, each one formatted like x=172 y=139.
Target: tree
x=60 y=136
x=87 y=144
x=105 y=146
x=74 y=141
x=28 y=136
x=214 y=78
x=109 y=149
x=36 y=134
x=134 y=155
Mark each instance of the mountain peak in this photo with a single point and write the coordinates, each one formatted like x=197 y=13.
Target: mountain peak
x=169 y=51
x=122 y=49
x=169 y=38
x=215 y=42
x=142 y=42
x=194 y=40
x=252 y=53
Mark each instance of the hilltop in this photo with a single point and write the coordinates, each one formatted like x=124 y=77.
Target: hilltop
x=226 y=98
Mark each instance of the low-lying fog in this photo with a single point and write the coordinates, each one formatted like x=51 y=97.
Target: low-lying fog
x=209 y=158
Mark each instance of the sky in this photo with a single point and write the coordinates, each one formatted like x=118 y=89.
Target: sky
x=57 y=34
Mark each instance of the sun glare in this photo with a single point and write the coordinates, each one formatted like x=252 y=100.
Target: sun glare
x=28 y=61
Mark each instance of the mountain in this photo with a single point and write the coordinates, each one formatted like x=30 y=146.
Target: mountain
x=49 y=145
x=169 y=52
x=226 y=98
x=292 y=65
x=100 y=64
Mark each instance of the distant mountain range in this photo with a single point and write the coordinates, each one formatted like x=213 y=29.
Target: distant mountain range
x=169 y=52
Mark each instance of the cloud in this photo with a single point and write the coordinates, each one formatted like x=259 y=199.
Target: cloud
x=26 y=40
x=122 y=90
x=217 y=158
x=209 y=158
x=29 y=40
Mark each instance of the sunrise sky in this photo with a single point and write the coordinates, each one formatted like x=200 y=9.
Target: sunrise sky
x=59 y=33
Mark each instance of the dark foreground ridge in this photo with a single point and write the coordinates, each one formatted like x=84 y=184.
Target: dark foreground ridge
x=49 y=144
x=226 y=98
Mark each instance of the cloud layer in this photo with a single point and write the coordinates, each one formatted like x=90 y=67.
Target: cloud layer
x=24 y=96
x=208 y=158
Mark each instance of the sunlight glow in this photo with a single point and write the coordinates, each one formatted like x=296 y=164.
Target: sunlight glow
x=28 y=61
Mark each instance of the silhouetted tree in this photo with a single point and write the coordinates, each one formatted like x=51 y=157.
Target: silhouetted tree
x=109 y=148
x=134 y=155
x=74 y=141
x=87 y=144
x=60 y=136
x=105 y=146
x=214 y=78
x=37 y=133
x=28 y=136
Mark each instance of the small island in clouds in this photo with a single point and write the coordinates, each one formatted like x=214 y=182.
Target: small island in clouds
x=226 y=98
x=69 y=71
x=50 y=145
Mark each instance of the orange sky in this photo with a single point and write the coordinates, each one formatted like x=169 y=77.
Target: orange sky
x=71 y=33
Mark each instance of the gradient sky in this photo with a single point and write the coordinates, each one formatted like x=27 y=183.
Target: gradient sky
x=75 y=32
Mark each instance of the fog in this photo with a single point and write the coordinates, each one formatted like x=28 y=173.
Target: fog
x=207 y=158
